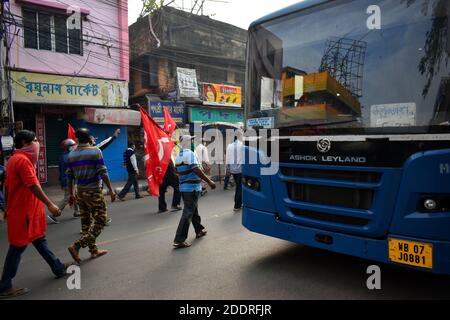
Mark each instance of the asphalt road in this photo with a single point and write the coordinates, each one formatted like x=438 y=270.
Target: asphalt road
x=229 y=263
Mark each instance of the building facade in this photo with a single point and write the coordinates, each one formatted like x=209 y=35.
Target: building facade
x=69 y=64
x=179 y=46
x=191 y=65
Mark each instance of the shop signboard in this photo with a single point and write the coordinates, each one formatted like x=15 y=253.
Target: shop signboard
x=55 y=89
x=393 y=115
x=176 y=110
x=113 y=116
x=208 y=115
x=42 y=159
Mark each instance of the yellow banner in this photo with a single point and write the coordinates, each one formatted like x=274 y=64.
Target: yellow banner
x=55 y=89
x=222 y=95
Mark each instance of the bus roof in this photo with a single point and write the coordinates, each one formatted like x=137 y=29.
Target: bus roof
x=293 y=8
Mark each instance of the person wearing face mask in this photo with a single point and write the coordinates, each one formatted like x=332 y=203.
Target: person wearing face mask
x=68 y=145
x=25 y=213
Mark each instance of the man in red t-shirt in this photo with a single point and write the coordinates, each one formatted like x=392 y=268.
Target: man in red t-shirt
x=25 y=213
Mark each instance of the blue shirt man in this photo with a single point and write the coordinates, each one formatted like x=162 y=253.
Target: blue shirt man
x=186 y=163
x=190 y=176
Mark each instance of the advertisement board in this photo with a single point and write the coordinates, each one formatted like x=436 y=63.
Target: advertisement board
x=187 y=83
x=222 y=95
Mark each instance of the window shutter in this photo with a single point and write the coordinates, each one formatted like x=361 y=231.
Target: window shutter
x=45 y=35
x=60 y=33
x=30 y=31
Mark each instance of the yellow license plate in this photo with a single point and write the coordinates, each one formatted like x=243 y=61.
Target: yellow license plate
x=411 y=253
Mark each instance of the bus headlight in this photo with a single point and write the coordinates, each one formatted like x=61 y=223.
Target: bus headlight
x=252 y=183
x=430 y=204
x=434 y=203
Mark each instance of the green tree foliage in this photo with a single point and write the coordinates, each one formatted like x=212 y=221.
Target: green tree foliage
x=436 y=40
x=151 y=6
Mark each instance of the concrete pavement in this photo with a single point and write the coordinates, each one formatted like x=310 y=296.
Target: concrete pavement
x=229 y=263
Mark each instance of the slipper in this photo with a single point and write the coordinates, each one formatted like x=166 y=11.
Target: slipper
x=12 y=293
x=98 y=254
x=181 y=245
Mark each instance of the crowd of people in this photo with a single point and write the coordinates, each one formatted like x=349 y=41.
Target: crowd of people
x=83 y=175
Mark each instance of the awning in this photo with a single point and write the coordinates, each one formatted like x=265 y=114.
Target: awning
x=238 y=125
x=112 y=116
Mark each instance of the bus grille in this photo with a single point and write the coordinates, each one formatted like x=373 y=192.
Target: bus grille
x=359 y=222
x=353 y=176
x=333 y=196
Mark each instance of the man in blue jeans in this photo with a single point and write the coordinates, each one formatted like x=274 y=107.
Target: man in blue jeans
x=191 y=176
x=25 y=213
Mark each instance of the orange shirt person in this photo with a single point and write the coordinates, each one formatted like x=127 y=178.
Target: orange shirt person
x=25 y=215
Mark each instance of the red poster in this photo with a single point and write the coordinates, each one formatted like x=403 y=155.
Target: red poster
x=42 y=160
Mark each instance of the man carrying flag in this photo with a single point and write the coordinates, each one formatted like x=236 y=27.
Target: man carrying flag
x=158 y=147
x=170 y=178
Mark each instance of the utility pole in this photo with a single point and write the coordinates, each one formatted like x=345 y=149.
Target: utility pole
x=4 y=67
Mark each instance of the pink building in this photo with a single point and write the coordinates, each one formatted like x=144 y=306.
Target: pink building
x=69 y=58
x=102 y=54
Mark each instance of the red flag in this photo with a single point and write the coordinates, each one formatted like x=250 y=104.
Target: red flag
x=158 y=147
x=71 y=133
x=169 y=124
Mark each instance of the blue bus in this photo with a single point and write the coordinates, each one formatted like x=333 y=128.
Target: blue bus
x=357 y=94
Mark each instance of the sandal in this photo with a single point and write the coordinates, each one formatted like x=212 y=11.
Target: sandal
x=75 y=253
x=12 y=293
x=201 y=234
x=181 y=245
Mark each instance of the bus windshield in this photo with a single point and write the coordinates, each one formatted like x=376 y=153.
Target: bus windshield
x=365 y=66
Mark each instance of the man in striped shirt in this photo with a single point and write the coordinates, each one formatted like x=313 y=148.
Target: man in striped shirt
x=87 y=167
x=191 y=176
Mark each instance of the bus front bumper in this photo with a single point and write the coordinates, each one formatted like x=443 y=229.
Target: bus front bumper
x=267 y=223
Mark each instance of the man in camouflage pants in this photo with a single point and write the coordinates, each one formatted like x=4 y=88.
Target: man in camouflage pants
x=87 y=168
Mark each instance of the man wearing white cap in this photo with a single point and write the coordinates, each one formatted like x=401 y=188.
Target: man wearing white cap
x=191 y=176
